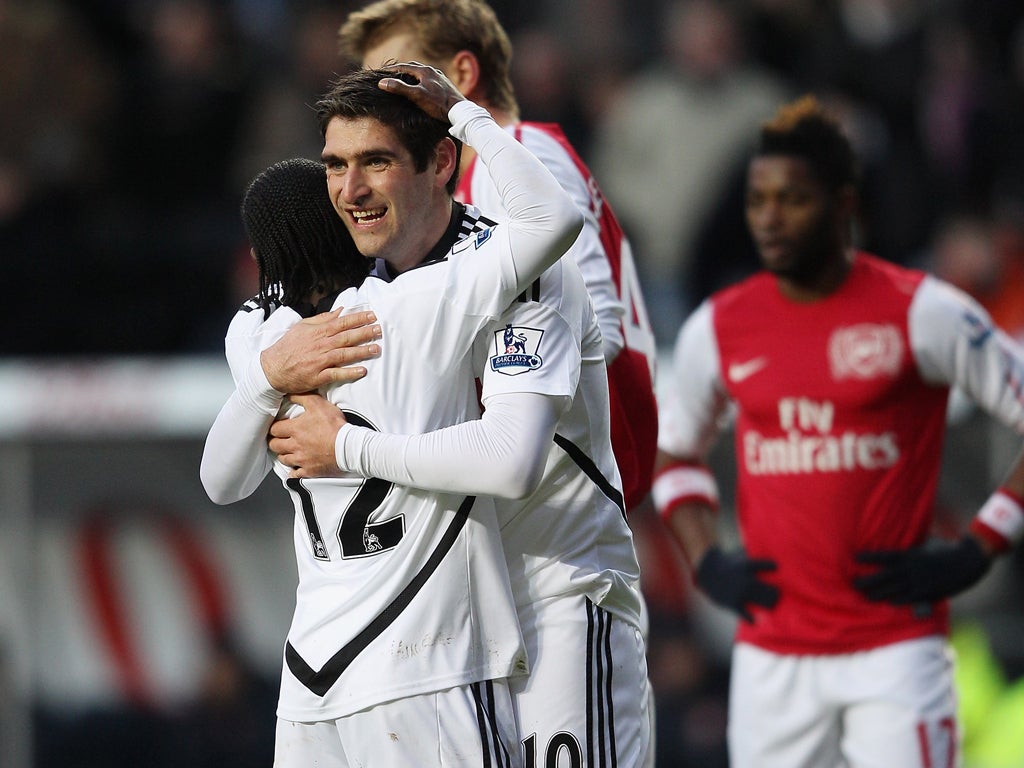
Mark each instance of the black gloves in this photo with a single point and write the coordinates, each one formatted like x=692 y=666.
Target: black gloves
x=731 y=580
x=924 y=574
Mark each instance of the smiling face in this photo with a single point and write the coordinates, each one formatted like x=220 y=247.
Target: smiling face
x=795 y=222
x=392 y=211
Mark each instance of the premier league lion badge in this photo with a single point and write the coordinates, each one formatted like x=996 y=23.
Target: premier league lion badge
x=515 y=350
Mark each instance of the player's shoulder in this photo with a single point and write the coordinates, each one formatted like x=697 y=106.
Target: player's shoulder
x=252 y=304
x=564 y=277
x=698 y=327
x=549 y=143
x=873 y=268
x=472 y=222
x=937 y=302
x=255 y=323
x=529 y=131
x=252 y=330
x=248 y=318
x=749 y=291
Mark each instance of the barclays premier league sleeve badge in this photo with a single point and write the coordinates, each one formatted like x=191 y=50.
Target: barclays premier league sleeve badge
x=515 y=350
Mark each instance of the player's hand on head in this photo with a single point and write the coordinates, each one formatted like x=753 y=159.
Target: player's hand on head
x=433 y=92
x=322 y=350
x=732 y=580
x=306 y=442
x=933 y=571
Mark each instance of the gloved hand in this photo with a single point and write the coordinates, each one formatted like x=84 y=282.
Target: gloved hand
x=731 y=580
x=924 y=574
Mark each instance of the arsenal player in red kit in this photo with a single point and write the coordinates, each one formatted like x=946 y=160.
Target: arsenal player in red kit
x=837 y=366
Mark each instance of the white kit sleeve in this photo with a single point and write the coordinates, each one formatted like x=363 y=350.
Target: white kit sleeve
x=235 y=456
x=543 y=220
x=955 y=343
x=501 y=454
x=588 y=250
x=693 y=403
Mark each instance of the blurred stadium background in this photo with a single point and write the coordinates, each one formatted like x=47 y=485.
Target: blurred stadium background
x=140 y=624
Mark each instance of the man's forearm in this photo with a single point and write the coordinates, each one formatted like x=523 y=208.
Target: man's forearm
x=502 y=454
x=543 y=220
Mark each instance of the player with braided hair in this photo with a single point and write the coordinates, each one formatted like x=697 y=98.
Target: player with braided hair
x=303 y=254
x=302 y=250
x=837 y=366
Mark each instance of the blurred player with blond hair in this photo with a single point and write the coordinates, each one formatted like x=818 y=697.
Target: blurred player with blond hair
x=466 y=41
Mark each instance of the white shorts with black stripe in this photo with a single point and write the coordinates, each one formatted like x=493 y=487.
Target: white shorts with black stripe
x=471 y=726
x=585 y=702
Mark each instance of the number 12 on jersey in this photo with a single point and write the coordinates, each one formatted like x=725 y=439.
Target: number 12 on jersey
x=357 y=536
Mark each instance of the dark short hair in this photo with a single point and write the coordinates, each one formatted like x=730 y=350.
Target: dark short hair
x=300 y=243
x=804 y=129
x=355 y=95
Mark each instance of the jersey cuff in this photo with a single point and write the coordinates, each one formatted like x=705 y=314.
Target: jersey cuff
x=255 y=389
x=464 y=112
x=347 y=448
x=679 y=483
x=1000 y=521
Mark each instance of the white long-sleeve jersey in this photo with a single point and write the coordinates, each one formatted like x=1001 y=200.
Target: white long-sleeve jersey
x=545 y=392
x=400 y=591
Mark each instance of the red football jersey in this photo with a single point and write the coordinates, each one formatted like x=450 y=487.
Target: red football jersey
x=840 y=410
x=838 y=445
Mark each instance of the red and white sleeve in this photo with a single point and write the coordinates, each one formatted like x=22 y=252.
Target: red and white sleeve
x=1000 y=521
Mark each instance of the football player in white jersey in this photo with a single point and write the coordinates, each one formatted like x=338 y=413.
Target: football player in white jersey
x=569 y=550
x=405 y=627
x=465 y=40
x=839 y=367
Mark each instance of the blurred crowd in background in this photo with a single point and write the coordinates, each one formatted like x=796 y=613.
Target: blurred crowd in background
x=129 y=129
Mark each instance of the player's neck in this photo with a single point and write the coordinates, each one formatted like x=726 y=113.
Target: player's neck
x=436 y=241
x=821 y=283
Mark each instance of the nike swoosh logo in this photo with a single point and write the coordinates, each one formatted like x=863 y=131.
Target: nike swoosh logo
x=740 y=371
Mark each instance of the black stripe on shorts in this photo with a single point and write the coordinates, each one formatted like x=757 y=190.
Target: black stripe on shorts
x=600 y=705
x=493 y=751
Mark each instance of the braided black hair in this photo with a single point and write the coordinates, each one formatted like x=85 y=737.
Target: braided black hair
x=299 y=241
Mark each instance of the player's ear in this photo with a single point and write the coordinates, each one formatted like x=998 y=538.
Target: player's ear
x=464 y=72
x=447 y=160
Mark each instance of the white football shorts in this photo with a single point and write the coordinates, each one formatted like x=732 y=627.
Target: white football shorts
x=586 y=700
x=890 y=706
x=470 y=726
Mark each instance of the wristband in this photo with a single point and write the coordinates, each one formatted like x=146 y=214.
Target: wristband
x=683 y=482
x=1000 y=521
